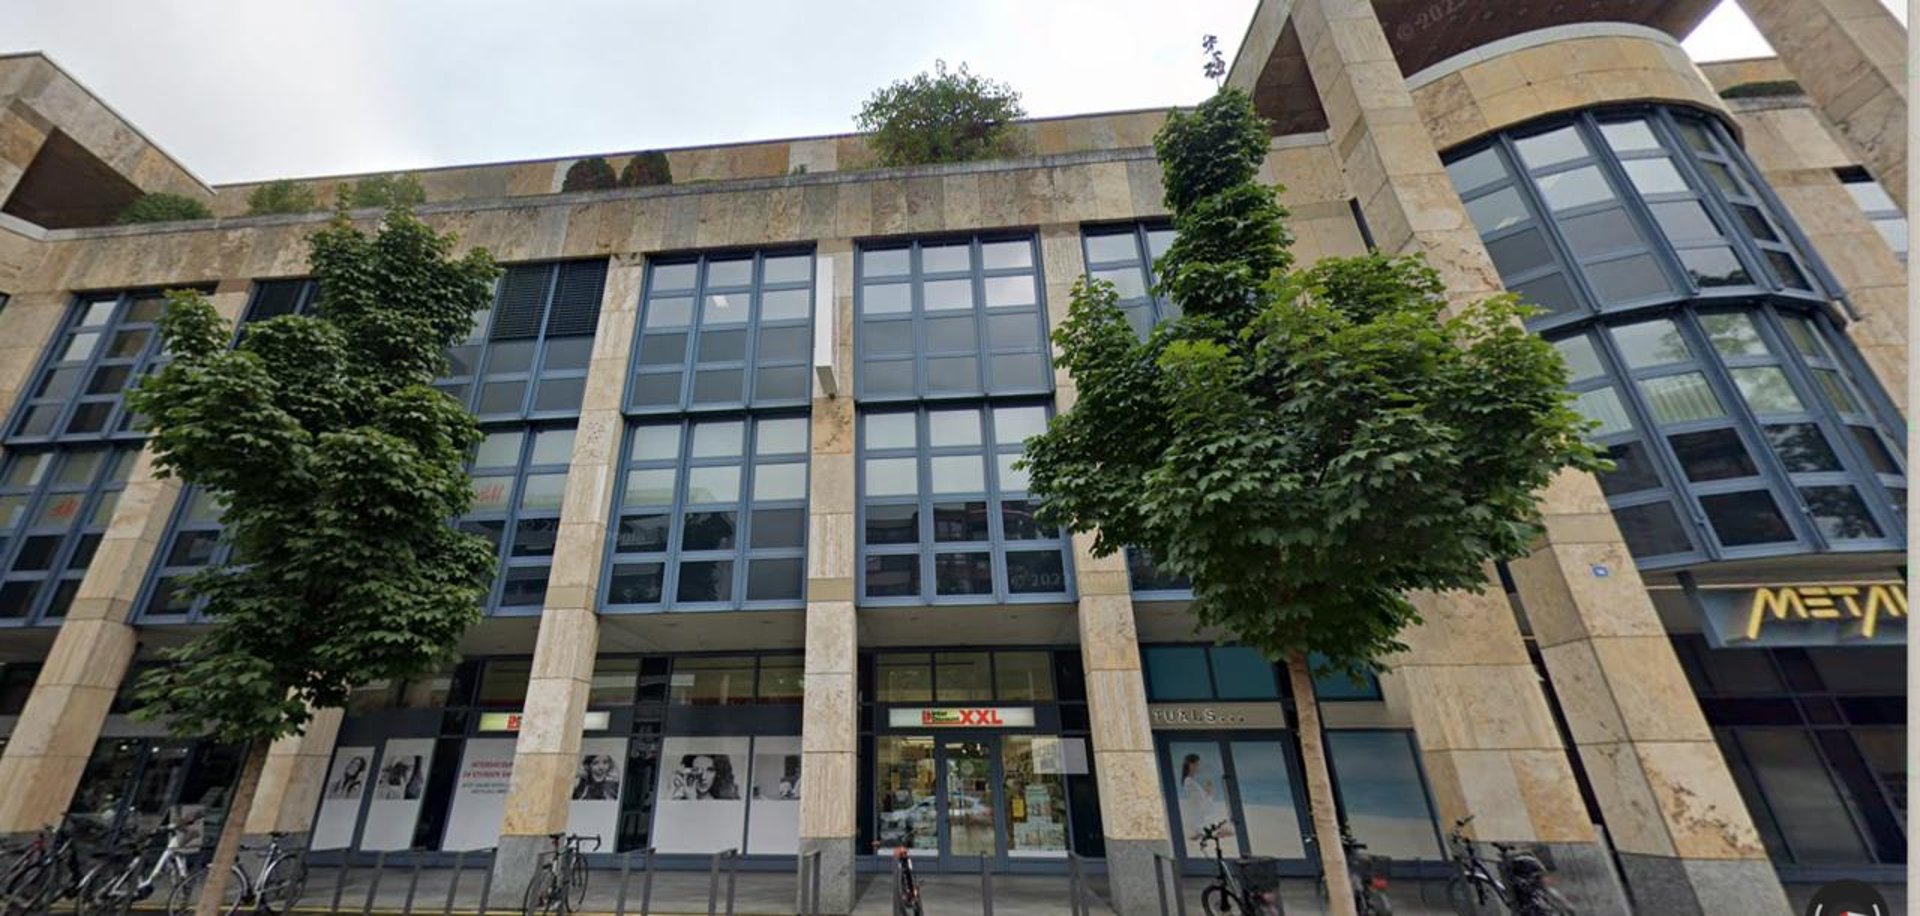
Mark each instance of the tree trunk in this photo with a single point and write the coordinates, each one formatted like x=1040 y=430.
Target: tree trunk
x=220 y=870
x=1313 y=760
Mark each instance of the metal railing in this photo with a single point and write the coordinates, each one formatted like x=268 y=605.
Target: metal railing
x=1077 y=885
x=646 y=881
x=809 y=880
x=730 y=858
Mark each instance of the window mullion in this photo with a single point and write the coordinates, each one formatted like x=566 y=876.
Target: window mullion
x=1521 y=180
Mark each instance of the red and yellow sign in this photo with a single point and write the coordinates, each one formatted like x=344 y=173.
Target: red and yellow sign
x=962 y=717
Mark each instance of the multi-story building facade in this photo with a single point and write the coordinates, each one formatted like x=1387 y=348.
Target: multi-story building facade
x=769 y=579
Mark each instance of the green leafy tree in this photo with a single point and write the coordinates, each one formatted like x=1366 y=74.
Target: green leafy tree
x=646 y=170
x=284 y=196
x=1308 y=445
x=338 y=466
x=589 y=174
x=382 y=191
x=942 y=116
x=162 y=207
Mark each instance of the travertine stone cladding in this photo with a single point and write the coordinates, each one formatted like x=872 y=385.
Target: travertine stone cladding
x=1562 y=75
x=37 y=97
x=730 y=162
x=1797 y=155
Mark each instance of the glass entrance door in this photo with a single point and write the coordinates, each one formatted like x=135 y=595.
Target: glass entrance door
x=940 y=797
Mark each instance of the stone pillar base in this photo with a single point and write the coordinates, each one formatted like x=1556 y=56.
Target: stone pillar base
x=514 y=861
x=1584 y=874
x=1702 y=887
x=1131 y=887
x=838 y=881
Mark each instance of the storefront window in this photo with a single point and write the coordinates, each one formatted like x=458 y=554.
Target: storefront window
x=1023 y=676
x=614 y=682
x=1036 y=788
x=1806 y=808
x=782 y=679
x=904 y=678
x=961 y=677
x=1240 y=673
x=504 y=684
x=1383 y=793
x=1267 y=800
x=908 y=813
x=712 y=681
x=1177 y=673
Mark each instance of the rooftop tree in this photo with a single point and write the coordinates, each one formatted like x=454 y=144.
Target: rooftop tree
x=942 y=116
x=339 y=468
x=1305 y=445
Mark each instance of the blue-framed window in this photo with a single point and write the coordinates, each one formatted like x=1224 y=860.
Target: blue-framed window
x=54 y=509
x=527 y=355
x=1382 y=791
x=193 y=543
x=274 y=298
x=1151 y=582
x=950 y=318
x=1234 y=673
x=945 y=517
x=1735 y=433
x=1615 y=210
x=1870 y=195
x=711 y=514
x=1123 y=255
x=724 y=332
x=519 y=481
x=107 y=341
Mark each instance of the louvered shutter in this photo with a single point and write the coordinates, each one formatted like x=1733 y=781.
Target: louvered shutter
x=576 y=299
x=522 y=300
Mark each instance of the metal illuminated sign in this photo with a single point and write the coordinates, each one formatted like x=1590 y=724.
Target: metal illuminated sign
x=962 y=717
x=510 y=721
x=1804 y=615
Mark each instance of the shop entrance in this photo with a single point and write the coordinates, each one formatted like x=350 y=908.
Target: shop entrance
x=1247 y=783
x=132 y=785
x=953 y=798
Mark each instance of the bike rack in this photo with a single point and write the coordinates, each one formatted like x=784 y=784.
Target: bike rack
x=373 y=887
x=986 y=885
x=899 y=909
x=809 y=864
x=732 y=858
x=1179 y=888
x=1076 y=885
x=646 y=881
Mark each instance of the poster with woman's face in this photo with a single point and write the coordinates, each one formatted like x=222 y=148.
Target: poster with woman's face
x=701 y=805
x=1199 y=779
x=400 y=778
x=348 y=780
x=594 y=806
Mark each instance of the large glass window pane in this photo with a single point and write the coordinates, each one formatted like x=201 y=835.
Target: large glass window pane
x=1629 y=136
x=1767 y=390
x=1550 y=293
x=1036 y=572
x=1681 y=398
x=1382 y=792
x=1652 y=530
x=1684 y=221
x=1745 y=518
x=1839 y=513
x=1602 y=405
x=1650 y=342
x=1177 y=673
x=1654 y=176
x=711 y=681
x=1496 y=211
x=1562 y=144
x=1600 y=233
x=1023 y=676
x=1200 y=779
x=1633 y=470
x=894 y=576
x=1268 y=802
x=1519 y=253
x=1480 y=169
x=903 y=678
x=1036 y=787
x=1802 y=448
x=1714 y=454
x=1573 y=188
x=1714 y=267
x=1801 y=795
x=962 y=677
x=1240 y=673
x=963 y=573
x=1583 y=362
x=1627 y=279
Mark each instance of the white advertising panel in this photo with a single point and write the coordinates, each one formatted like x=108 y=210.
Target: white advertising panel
x=347 y=782
x=594 y=806
x=479 y=795
x=397 y=787
x=701 y=806
x=773 y=814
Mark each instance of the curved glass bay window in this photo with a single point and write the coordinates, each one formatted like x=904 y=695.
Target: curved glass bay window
x=527 y=354
x=519 y=482
x=725 y=332
x=54 y=509
x=1696 y=330
x=945 y=517
x=711 y=515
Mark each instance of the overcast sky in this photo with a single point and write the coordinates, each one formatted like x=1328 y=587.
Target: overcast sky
x=242 y=90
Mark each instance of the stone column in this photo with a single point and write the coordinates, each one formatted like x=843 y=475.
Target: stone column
x=27 y=327
x=22 y=132
x=830 y=730
x=1851 y=58
x=57 y=729
x=548 y=749
x=296 y=772
x=1485 y=730
x=1133 y=813
x=1797 y=155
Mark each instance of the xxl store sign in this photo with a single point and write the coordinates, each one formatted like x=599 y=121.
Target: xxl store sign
x=962 y=717
x=1804 y=615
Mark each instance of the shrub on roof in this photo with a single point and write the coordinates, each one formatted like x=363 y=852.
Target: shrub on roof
x=382 y=191
x=162 y=207
x=589 y=174
x=284 y=196
x=942 y=116
x=646 y=170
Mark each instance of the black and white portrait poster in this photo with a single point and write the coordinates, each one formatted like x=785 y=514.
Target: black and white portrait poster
x=480 y=794
x=347 y=783
x=702 y=802
x=399 y=781
x=593 y=808
x=773 y=809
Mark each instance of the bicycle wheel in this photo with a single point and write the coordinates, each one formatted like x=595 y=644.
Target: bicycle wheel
x=544 y=893
x=1215 y=901
x=576 y=882
x=1463 y=897
x=116 y=898
x=26 y=890
x=183 y=897
x=281 y=885
x=1374 y=902
x=910 y=892
x=1547 y=902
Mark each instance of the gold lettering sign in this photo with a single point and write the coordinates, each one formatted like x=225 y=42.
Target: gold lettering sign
x=1866 y=604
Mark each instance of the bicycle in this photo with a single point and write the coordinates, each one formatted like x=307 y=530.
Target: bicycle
x=48 y=870
x=283 y=878
x=124 y=878
x=1521 y=882
x=906 y=889
x=1367 y=875
x=560 y=883
x=1227 y=895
